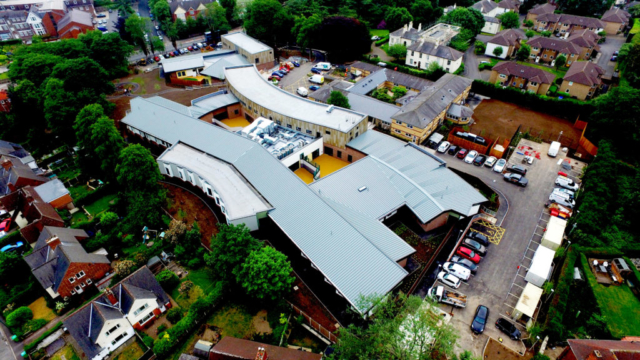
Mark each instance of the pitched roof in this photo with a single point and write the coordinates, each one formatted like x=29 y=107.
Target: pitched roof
x=616 y=15
x=585 y=73
x=142 y=284
x=345 y=256
x=409 y=34
x=216 y=69
x=608 y=349
x=194 y=61
x=484 y=6
x=371 y=82
x=491 y=19
x=187 y=4
x=632 y=4
x=18 y=170
x=509 y=37
x=434 y=100
x=545 y=8
x=441 y=51
x=559 y=45
x=84 y=326
x=584 y=38
x=460 y=111
x=76 y=17
x=51 y=190
x=509 y=4
x=246 y=42
x=512 y=68
x=230 y=348
x=15 y=150
x=573 y=20
x=365 y=66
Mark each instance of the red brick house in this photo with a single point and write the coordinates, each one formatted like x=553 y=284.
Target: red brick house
x=74 y=23
x=15 y=175
x=62 y=265
x=579 y=349
x=188 y=9
x=230 y=348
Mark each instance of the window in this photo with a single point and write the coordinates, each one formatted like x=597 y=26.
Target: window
x=167 y=170
x=309 y=132
x=72 y=280
x=409 y=126
x=502 y=76
x=208 y=190
x=181 y=73
x=545 y=56
x=82 y=284
x=570 y=83
x=521 y=86
x=120 y=337
x=318 y=134
x=567 y=91
x=182 y=176
x=110 y=331
x=289 y=126
x=514 y=83
x=78 y=288
x=448 y=62
x=298 y=128
x=278 y=122
x=80 y=274
x=412 y=53
x=89 y=282
x=327 y=132
x=340 y=154
x=148 y=317
x=533 y=83
x=73 y=292
x=349 y=158
x=135 y=313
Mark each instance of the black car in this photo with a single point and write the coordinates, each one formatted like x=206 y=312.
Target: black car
x=480 y=319
x=464 y=262
x=479 y=160
x=516 y=179
x=508 y=328
x=518 y=169
x=482 y=239
x=452 y=150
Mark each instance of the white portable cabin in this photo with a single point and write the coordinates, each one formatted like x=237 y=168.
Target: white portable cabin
x=552 y=238
x=540 y=266
x=526 y=306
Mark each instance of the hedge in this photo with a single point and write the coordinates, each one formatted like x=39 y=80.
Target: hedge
x=564 y=108
x=382 y=41
x=86 y=225
x=11 y=42
x=553 y=323
x=93 y=196
x=12 y=238
x=407 y=70
x=485 y=66
x=30 y=346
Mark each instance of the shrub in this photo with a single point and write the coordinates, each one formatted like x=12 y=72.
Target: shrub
x=382 y=41
x=554 y=323
x=147 y=340
x=174 y=315
x=195 y=263
x=460 y=70
x=161 y=328
x=168 y=280
x=185 y=287
x=123 y=267
x=19 y=316
x=485 y=66
x=30 y=346
x=546 y=33
x=480 y=48
x=34 y=325
x=108 y=220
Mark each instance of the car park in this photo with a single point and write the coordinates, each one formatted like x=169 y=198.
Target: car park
x=571 y=194
x=452 y=150
x=566 y=183
x=518 y=169
x=457 y=270
x=444 y=146
x=475 y=246
x=12 y=247
x=508 y=328
x=479 y=160
x=101 y=15
x=468 y=254
x=314 y=87
x=499 y=166
x=516 y=179
x=302 y=92
x=461 y=154
x=449 y=279
x=491 y=160
x=457 y=259
x=480 y=319
x=482 y=239
x=562 y=199
x=471 y=156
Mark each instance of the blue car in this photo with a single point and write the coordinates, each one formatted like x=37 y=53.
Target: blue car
x=12 y=247
x=480 y=319
x=296 y=64
x=176 y=53
x=314 y=87
x=316 y=71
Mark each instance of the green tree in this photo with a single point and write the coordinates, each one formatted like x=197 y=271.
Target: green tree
x=108 y=219
x=137 y=27
x=424 y=12
x=524 y=52
x=19 y=316
x=266 y=274
x=509 y=20
x=528 y=24
x=398 y=92
x=306 y=30
x=397 y=17
x=123 y=7
x=635 y=11
x=560 y=61
x=338 y=99
x=337 y=31
x=162 y=11
x=34 y=67
x=171 y=31
x=168 y=280
x=480 y=48
x=529 y=34
x=268 y=21
x=584 y=7
x=10 y=262
x=498 y=51
x=470 y=19
x=231 y=11
x=629 y=60
x=109 y=51
x=546 y=33
x=216 y=17
x=156 y=44
x=397 y=51
x=85 y=119
x=229 y=249
x=107 y=141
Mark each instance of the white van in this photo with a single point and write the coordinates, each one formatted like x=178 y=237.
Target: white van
x=566 y=183
x=562 y=199
x=302 y=92
x=553 y=149
x=317 y=79
x=323 y=66
x=457 y=270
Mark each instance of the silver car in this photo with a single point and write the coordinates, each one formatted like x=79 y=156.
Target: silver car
x=499 y=166
x=491 y=160
x=471 y=156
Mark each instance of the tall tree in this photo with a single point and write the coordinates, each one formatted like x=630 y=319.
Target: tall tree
x=229 y=249
x=509 y=20
x=123 y=7
x=306 y=30
x=424 y=12
x=215 y=18
x=162 y=11
x=109 y=51
x=629 y=60
x=171 y=31
x=35 y=67
x=397 y=51
x=584 y=7
x=524 y=52
x=338 y=99
x=397 y=17
x=85 y=119
x=107 y=141
x=268 y=21
x=137 y=27
x=560 y=61
x=266 y=274
x=617 y=118
x=344 y=38
x=231 y=11
x=470 y=19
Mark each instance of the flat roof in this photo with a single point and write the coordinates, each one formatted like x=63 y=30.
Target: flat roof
x=197 y=60
x=239 y=197
x=247 y=81
x=529 y=299
x=246 y=42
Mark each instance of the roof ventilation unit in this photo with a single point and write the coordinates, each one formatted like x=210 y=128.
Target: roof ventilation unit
x=362 y=189
x=330 y=109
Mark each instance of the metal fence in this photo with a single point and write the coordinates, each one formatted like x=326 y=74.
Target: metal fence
x=315 y=325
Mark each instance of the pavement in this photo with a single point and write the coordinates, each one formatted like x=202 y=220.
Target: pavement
x=9 y=350
x=492 y=286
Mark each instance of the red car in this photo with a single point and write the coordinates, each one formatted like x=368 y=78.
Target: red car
x=5 y=225
x=284 y=69
x=157 y=59
x=274 y=77
x=190 y=48
x=461 y=154
x=468 y=254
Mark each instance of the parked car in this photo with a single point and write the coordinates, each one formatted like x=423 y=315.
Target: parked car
x=457 y=259
x=278 y=74
x=518 y=169
x=571 y=194
x=499 y=166
x=453 y=150
x=508 y=328
x=471 y=156
x=176 y=52
x=314 y=87
x=101 y=15
x=195 y=46
x=461 y=154
x=4 y=214
x=475 y=246
x=562 y=199
x=478 y=161
x=482 y=239
x=468 y=254
x=614 y=58
x=284 y=70
x=12 y=247
x=274 y=77
x=5 y=225
x=566 y=183
x=480 y=319
x=296 y=64
x=457 y=270
x=190 y=48
x=157 y=27
x=316 y=71
x=181 y=51
x=491 y=160
x=516 y=179
x=444 y=146
x=375 y=38
x=302 y=91
x=186 y=51
x=449 y=279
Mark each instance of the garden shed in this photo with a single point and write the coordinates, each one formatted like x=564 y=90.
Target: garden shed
x=541 y=266
x=526 y=306
x=552 y=238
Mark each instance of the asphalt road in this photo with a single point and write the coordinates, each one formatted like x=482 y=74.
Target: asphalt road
x=9 y=350
x=491 y=286
x=612 y=44
x=297 y=78
x=471 y=61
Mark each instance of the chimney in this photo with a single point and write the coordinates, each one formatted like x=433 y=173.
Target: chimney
x=262 y=354
x=53 y=242
x=410 y=25
x=405 y=27
x=112 y=298
x=419 y=26
x=6 y=164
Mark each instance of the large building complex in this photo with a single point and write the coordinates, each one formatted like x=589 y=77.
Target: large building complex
x=429 y=45
x=251 y=49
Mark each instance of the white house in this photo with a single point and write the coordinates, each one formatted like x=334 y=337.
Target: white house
x=423 y=53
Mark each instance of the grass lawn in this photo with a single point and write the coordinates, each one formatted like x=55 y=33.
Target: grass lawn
x=80 y=190
x=41 y=311
x=233 y=321
x=4 y=75
x=381 y=33
x=66 y=353
x=202 y=279
x=101 y=205
x=636 y=27
x=80 y=216
x=132 y=352
x=140 y=82
x=557 y=73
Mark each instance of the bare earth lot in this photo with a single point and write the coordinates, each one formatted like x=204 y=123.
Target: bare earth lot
x=494 y=118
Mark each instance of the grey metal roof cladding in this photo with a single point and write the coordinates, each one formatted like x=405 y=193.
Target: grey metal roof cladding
x=246 y=42
x=194 y=112
x=378 y=77
x=449 y=190
x=216 y=69
x=374 y=107
x=212 y=102
x=345 y=256
x=194 y=61
x=51 y=190
x=248 y=82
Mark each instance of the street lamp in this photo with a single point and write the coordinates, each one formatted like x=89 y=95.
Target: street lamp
x=534 y=344
x=548 y=297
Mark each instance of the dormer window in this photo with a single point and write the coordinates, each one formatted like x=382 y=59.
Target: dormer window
x=112 y=330
x=141 y=309
x=80 y=274
x=72 y=280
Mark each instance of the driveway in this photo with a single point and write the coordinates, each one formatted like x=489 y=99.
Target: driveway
x=493 y=283
x=381 y=54
x=471 y=62
x=607 y=49
x=297 y=78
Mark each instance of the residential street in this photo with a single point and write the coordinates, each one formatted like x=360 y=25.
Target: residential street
x=607 y=49
x=471 y=61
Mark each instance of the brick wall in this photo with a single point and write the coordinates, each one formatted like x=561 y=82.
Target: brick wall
x=94 y=272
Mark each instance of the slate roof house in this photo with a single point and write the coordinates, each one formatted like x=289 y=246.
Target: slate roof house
x=546 y=50
x=15 y=174
x=188 y=9
x=582 y=81
x=615 y=20
x=425 y=46
x=540 y=9
x=110 y=320
x=524 y=77
x=61 y=265
x=32 y=210
x=508 y=40
x=567 y=23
